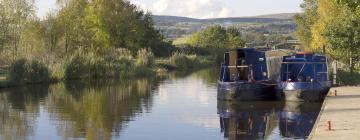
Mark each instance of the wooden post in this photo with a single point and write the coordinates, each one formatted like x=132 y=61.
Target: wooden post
x=335 y=73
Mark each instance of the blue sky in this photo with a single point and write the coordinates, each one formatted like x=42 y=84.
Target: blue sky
x=203 y=8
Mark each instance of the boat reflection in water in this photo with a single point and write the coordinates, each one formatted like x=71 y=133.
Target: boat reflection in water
x=298 y=118
x=267 y=120
x=248 y=120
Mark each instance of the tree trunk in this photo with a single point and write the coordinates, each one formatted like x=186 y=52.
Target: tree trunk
x=352 y=65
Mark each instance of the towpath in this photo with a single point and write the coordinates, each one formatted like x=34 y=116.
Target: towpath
x=341 y=113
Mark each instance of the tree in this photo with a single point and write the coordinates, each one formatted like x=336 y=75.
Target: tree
x=217 y=37
x=234 y=38
x=343 y=35
x=99 y=26
x=305 y=21
x=214 y=36
x=352 y=4
x=14 y=16
x=333 y=24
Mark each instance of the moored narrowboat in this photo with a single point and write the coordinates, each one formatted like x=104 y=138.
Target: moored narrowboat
x=304 y=77
x=246 y=75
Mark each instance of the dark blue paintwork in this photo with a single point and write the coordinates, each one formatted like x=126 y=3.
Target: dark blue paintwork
x=304 y=77
x=252 y=57
x=258 y=87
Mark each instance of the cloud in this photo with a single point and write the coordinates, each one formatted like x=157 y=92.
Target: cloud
x=190 y=8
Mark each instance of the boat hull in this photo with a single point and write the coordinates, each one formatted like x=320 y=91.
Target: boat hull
x=305 y=92
x=246 y=91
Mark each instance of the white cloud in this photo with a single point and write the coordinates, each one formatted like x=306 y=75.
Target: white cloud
x=190 y=8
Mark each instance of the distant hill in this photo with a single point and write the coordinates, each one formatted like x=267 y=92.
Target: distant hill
x=278 y=16
x=256 y=19
x=157 y=18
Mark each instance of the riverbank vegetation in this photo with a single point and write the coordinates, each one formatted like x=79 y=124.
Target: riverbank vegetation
x=332 y=26
x=347 y=78
x=213 y=40
x=82 y=39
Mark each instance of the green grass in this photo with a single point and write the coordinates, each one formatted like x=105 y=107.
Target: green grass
x=180 y=41
x=348 y=79
x=183 y=62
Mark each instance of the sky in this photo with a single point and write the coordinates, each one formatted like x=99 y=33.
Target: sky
x=203 y=8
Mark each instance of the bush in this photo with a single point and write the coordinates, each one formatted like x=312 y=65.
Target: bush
x=76 y=68
x=188 y=49
x=38 y=72
x=180 y=61
x=118 y=64
x=57 y=70
x=145 y=58
x=143 y=71
x=25 y=72
x=346 y=78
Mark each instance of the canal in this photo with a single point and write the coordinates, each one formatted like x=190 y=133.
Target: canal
x=177 y=107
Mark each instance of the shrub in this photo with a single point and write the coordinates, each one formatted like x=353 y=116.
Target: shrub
x=118 y=55
x=17 y=71
x=145 y=58
x=346 y=78
x=38 y=72
x=117 y=64
x=180 y=61
x=143 y=71
x=76 y=68
x=58 y=70
x=98 y=67
x=23 y=71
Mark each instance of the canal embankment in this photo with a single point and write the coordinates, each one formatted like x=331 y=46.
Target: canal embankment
x=28 y=72
x=339 y=116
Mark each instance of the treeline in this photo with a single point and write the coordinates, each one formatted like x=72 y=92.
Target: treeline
x=100 y=38
x=217 y=37
x=214 y=40
x=90 y=26
x=333 y=25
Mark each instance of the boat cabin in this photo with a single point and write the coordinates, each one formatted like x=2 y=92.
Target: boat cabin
x=244 y=65
x=304 y=67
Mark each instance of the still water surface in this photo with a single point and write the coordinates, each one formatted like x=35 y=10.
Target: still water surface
x=178 y=107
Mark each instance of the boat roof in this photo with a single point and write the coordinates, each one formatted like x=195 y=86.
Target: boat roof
x=305 y=53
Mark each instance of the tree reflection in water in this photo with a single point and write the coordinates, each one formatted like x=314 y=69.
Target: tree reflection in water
x=19 y=109
x=100 y=109
x=91 y=110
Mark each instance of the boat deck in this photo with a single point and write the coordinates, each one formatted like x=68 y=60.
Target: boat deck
x=343 y=112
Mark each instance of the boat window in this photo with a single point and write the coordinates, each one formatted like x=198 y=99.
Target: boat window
x=304 y=72
x=242 y=72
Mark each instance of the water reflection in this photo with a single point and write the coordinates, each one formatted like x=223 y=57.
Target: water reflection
x=175 y=108
x=19 y=109
x=297 y=119
x=91 y=110
x=267 y=120
x=100 y=109
x=248 y=120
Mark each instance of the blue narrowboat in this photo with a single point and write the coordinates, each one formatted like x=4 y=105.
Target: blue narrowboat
x=246 y=75
x=304 y=77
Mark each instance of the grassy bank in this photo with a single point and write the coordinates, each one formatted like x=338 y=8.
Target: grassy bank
x=183 y=62
x=89 y=66
x=345 y=78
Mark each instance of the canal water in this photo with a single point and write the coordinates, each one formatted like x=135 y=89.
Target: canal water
x=177 y=107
